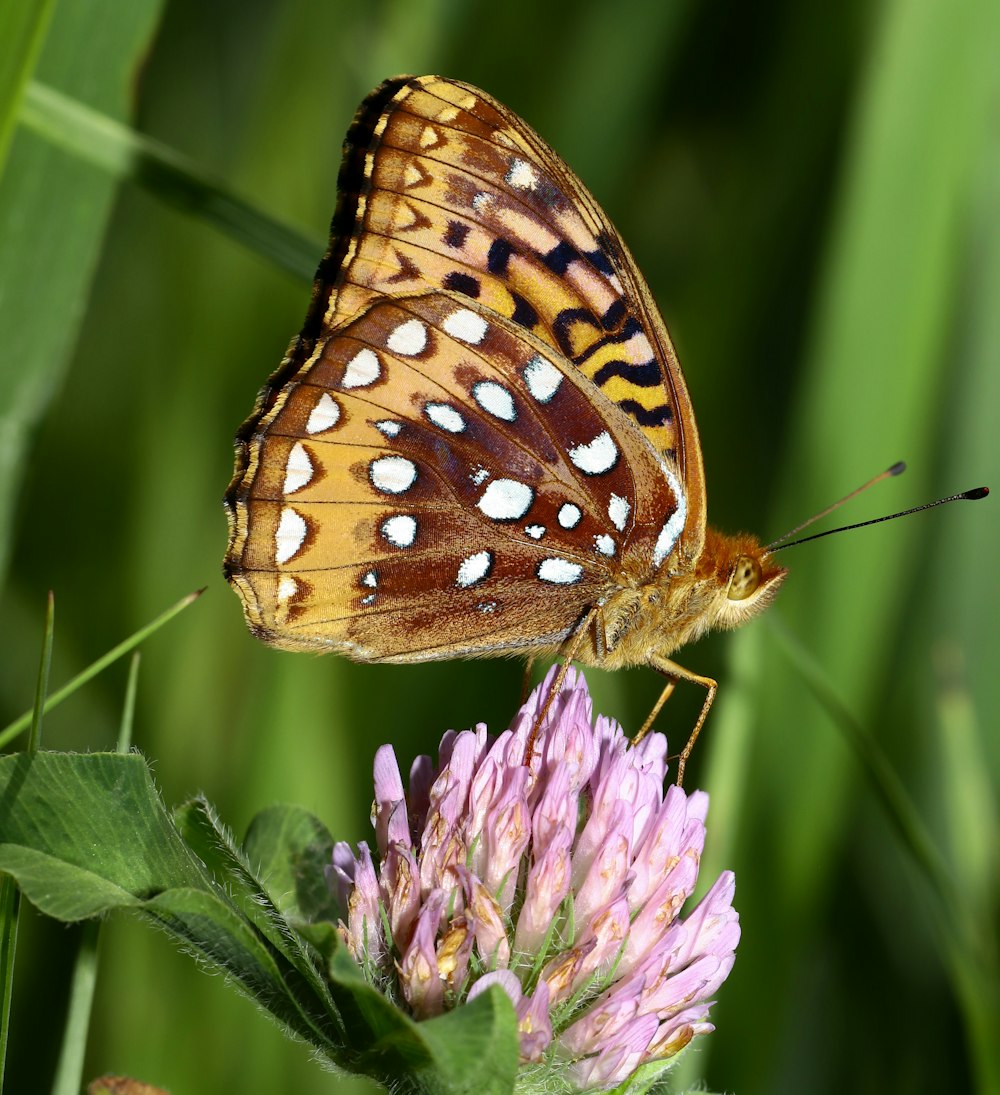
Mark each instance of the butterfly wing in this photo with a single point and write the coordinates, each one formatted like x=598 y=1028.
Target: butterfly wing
x=442 y=187
x=438 y=482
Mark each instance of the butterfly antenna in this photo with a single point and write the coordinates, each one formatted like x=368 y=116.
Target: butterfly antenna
x=897 y=469
x=966 y=495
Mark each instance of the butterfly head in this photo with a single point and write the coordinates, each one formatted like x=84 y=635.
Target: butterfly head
x=742 y=575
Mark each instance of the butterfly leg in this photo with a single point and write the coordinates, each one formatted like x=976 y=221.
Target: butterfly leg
x=529 y=665
x=568 y=653
x=674 y=673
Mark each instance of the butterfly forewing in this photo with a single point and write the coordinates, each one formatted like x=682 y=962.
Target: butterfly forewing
x=444 y=188
x=436 y=481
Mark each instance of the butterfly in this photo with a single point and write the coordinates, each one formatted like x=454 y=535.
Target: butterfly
x=481 y=443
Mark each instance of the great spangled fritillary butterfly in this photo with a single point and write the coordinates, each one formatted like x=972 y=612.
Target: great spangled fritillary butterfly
x=481 y=443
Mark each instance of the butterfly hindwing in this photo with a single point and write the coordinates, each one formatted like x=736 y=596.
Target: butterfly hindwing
x=437 y=482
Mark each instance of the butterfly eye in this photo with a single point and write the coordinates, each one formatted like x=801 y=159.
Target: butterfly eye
x=746 y=578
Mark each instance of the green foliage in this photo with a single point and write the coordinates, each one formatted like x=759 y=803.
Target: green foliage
x=812 y=192
x=87 y=835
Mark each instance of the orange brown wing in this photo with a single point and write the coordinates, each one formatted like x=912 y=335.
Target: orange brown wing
x=442 y=187
x=437 y=482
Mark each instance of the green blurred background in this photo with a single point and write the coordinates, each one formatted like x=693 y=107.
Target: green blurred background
x=813 y=193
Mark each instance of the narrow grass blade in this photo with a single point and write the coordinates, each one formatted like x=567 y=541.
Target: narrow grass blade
x=69 y=1070
x=23 y=24
x=889 y=791
x=167 y=173
x=10 y=903
x=10 y=900
x=42 y=684
x=971 y=813
x=53 y=212
x=128 y=713
x=10 y=732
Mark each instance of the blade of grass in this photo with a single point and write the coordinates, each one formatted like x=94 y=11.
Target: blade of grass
x=175 y=178
x=10 y=904
x=13 y=729
x=971 y=814
x=69 y=1070
x=23 y=25
x=53 y=212
x=128 y=714
x=10 y=898
x=889 y=791
x=42 y=684
x=966 y=933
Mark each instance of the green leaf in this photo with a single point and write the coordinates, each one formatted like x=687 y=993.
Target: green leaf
x=473 y=1048
x=476 y=1046
x=388 y=1043
x=217 y=932
x=85 y=834
x=645 y=1077
x=231 y=870
x=292 y=849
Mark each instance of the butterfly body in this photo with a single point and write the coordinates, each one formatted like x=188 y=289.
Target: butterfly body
x=481 y=443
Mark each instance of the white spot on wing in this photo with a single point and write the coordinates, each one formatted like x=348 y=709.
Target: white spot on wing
x=522 y=175
x=392 y=474
x=542 y=377
x=466 y=326
x=674 y=525
x=560 y=572
x=597 y=456
x=400 y=530
x=536 y=532
x=482 y=201
x=604 y=544
x=370 y=579
x=287 y=588
x=445 y=417
x=299 y=469
x=388 y=427
x=290 y=535
x=495 y=400
x=506 y=500
x=408 y=338
x=618 y=511
x=324 y=416
x=569 y=515
x=474 y=569
x=479 y=475
x=362 y=370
